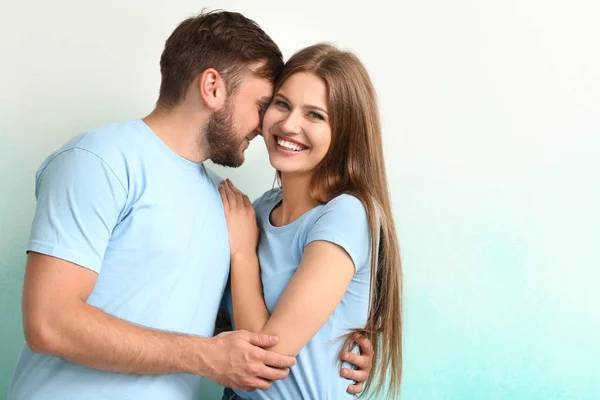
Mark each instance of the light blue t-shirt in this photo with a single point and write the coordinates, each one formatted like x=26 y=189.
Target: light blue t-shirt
x=342 y=221
x=118 y=201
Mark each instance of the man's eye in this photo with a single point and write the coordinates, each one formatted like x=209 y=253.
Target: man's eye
x=282 y=104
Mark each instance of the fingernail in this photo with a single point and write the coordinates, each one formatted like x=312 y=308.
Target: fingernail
x=347 y=355
x=344 y=373
x=273 y=339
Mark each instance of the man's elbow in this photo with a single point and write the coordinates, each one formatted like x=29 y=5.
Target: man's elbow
x=40 y=336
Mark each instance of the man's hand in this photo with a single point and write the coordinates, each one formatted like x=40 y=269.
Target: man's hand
x=239 y=360
x=364 y=362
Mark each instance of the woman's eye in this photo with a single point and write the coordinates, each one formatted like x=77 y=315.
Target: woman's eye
x=315 y=115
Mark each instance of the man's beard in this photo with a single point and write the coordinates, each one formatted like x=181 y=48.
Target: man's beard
x=224 y=142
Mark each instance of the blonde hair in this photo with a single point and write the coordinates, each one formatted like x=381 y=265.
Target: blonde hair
x=354 y=164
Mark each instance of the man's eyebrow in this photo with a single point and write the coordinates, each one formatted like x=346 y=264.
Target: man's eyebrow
x=283 y=97
x=266 y=99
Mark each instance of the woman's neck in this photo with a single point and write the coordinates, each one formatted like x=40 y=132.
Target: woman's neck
x=296 y=200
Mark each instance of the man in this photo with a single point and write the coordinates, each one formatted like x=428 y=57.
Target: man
x=128 y=256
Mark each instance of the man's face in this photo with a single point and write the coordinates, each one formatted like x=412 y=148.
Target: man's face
x=230 y=129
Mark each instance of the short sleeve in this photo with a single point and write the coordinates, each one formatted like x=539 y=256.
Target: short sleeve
x=344 y=222
x=79 y=200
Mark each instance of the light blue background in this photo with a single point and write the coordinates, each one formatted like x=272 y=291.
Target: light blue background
x=491 y=116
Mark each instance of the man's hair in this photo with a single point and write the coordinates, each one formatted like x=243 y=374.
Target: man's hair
x=226 y=41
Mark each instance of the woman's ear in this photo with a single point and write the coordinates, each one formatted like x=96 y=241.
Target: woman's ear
x=212 y=89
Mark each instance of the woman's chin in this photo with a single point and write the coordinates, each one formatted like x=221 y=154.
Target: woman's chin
x=280 y=164
x=285 y=165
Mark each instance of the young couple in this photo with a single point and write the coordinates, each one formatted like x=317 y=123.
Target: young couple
x=132 y=244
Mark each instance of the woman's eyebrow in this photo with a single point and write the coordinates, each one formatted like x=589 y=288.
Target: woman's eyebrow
x=305 y=106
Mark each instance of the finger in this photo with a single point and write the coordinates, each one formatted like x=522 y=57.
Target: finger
x=366 y=346
x=239 y=196
x=361 y=361
x=277 y=360
x=252 y=385
x=359 y=375
x=232 y=186
x=247 y=202
x=274 y=374
x=262 y=339
x=356 y=388
x=223 y=197
x=261 y=384
x=230 y=196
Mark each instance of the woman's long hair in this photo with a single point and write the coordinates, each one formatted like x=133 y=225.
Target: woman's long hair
x=354 y=164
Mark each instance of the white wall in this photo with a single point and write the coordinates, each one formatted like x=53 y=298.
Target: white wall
x=491 y=112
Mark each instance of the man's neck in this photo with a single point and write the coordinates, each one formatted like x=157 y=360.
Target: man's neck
x=182 y=130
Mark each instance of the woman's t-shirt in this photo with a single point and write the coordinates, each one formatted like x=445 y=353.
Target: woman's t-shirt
x=343 y=221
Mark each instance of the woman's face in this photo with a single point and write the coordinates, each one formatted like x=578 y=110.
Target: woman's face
x=296 y=125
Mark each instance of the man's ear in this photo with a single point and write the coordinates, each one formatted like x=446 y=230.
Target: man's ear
x=212 y=89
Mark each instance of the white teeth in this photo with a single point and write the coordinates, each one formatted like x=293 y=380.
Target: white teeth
x=288 y=145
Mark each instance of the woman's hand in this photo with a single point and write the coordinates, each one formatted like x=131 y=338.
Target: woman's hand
x=241 y=220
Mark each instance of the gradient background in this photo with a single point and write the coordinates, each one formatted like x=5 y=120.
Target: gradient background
x=491 y=116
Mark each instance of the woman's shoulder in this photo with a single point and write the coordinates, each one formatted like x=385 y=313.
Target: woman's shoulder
x=267 y=199
x=345 y=203
x=344 y=211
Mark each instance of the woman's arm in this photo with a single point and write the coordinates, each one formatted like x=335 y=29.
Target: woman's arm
x=246 y=286
x=307 y=302
x=309 y=299
x=249 y=306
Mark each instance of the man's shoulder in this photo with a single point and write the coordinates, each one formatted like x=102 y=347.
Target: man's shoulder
x=114 y=144
x=110 y=140
x=216 y=178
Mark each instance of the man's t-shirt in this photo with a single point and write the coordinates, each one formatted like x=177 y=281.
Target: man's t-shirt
x=117 y=201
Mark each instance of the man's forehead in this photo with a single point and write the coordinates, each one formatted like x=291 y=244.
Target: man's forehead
x=258 y=87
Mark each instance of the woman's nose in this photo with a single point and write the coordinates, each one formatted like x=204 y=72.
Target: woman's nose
x=292 y=123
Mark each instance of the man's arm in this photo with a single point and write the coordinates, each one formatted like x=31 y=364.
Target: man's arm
x=58 y=321
x=80 y=198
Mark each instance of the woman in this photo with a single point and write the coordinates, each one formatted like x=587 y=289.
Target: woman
x=314 y=282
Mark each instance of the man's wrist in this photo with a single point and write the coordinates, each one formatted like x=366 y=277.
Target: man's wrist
x=192 y=355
